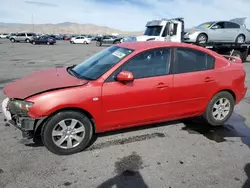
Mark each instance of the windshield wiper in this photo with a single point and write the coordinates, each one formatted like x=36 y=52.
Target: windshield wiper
x=72 y=72
x=75 y=74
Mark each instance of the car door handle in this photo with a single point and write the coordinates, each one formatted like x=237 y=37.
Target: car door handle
x=162 y=85
x=208 y=79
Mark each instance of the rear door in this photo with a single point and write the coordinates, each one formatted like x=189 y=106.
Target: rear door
x=194 y=81
x=233 y=30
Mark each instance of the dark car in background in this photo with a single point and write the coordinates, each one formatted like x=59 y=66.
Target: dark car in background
x=44 y=40
x=108 y=40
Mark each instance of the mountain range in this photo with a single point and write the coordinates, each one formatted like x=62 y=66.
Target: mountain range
x=62 y=28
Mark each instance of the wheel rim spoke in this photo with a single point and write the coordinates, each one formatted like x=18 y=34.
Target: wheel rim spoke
x=60 y=141
x=73 y=123
x=79 y=130
x=77 y=138
x=69 y=142
x=57 y=133
x=63 y=125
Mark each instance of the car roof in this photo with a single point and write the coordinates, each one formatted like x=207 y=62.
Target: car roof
x=146 y=45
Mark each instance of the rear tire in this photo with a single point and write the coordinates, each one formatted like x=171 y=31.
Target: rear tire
x=219 y=109
x=237 y=53
x=98 y=43
x=52 y=126
x=240 y=39
x=27 y=40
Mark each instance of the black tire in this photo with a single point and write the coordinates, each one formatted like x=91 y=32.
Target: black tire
x=202 y=39
x=48 y=43
x=244 y=56
x=98 y=43
x=237 y=53
x=242 y=39
x=117 y=42
x=208 y=114
x=27 y=40
x=48 y=127
x=12 y=40
x=33 y=42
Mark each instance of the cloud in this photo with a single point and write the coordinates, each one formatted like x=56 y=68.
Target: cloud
x=129 y=15
x=38 y=3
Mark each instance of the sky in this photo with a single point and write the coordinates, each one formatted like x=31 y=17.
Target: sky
x=126 y=15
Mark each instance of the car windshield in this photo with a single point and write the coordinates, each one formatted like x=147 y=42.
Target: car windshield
x=204 y=25
x=97 y=65
x=153 y=30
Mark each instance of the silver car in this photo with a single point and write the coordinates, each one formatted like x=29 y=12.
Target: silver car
x=22 y=37
x=232 y=31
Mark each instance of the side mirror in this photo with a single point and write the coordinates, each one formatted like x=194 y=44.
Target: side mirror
x=125 y=76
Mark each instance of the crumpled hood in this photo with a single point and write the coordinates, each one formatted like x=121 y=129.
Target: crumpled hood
x=38 y=82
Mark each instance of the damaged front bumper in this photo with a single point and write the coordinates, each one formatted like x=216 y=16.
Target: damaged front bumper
x=27 y=125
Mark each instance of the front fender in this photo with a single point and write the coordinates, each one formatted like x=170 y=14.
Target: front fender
x=81 y=97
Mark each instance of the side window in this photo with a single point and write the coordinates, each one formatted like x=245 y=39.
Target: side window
x=147 y=64
x=190 y=60
x=21 y=34
x=231 y=25
x=166 y=30
x=78 y=37
x=219 y=25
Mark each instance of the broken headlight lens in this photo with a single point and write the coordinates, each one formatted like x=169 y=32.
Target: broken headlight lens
x=19 y=106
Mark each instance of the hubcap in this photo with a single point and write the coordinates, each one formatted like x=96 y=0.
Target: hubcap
x=221 y=109
x=202 y=39
x=240 y=39
x=68 y=133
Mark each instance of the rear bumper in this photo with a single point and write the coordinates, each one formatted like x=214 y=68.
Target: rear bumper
x=242 y=95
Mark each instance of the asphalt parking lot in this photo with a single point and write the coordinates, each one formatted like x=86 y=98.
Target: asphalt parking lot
x=168 y=155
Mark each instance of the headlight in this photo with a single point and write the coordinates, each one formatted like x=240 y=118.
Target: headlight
x=192 y=32
x=19 y=106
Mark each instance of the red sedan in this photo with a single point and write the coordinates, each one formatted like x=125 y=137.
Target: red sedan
x=125 y=85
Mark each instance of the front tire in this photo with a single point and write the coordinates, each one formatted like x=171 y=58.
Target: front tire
x=12 y=40
x=67 y=132
x=219 y=109
x=202 y=39
x=27 y=40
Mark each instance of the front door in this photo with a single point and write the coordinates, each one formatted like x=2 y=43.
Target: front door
x=145 y=99
x=194 y=82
